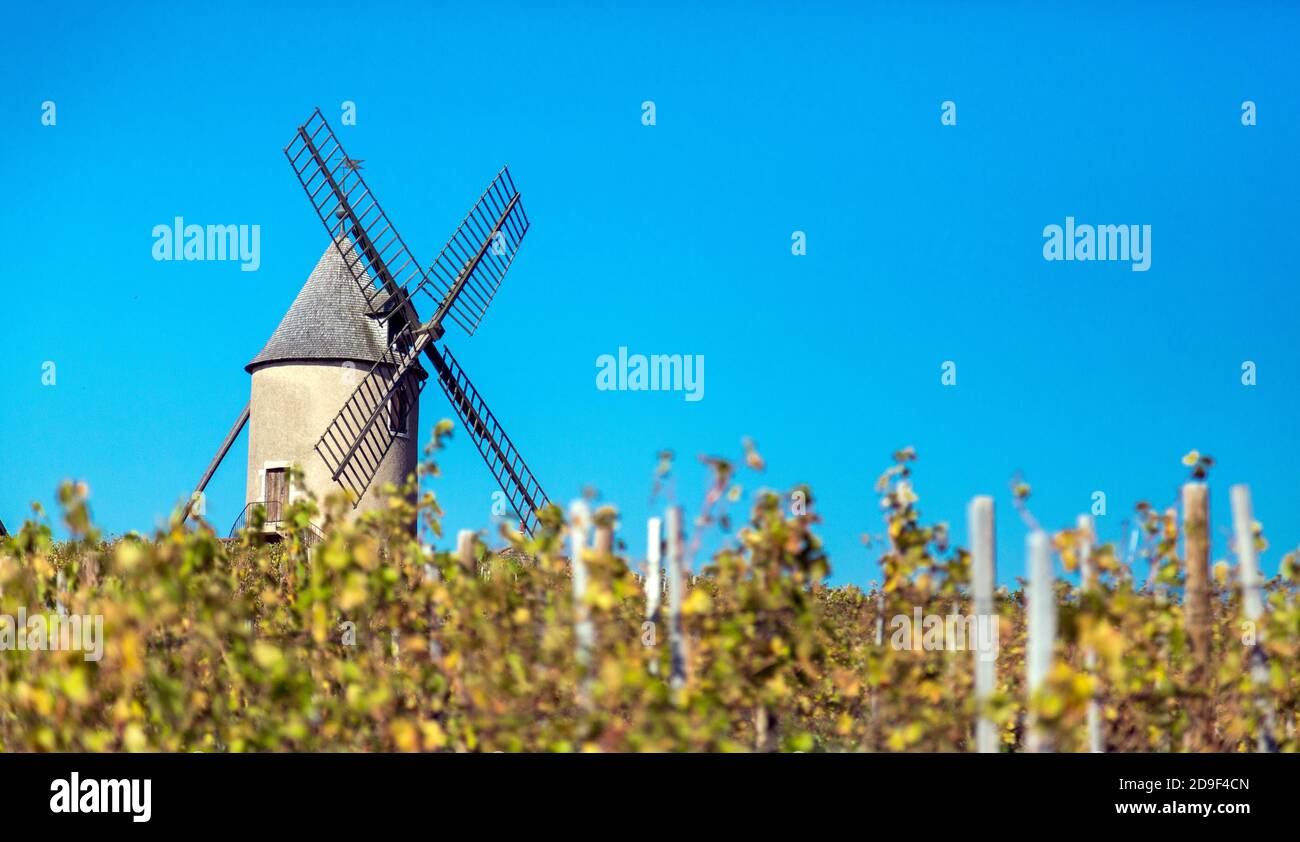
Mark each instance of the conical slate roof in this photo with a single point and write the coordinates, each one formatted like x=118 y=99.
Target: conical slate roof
x=328 y=320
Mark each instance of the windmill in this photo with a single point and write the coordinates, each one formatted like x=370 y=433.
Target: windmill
x=460 y=284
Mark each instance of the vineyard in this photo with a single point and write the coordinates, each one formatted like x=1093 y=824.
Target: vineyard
x=365 y=640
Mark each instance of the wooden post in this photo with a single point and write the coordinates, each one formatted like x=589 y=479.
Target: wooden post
x=653 y=549
x=1196 y=612
x=90 y=570
x=584 y=633
x=1087 y=564
x=1090 y=577
x=880 y=617
x=875 y=693
x=465 y=551
x=216 y=460
x=676 y=593
x=979 y=527
x=1252 y=609
x=1042 y=628
x=604 y=538
x=653 y=596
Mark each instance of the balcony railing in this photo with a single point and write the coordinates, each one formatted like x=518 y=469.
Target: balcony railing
x=272 y=511
x=272 y=520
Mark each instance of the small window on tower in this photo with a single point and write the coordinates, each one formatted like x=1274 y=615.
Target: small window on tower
x=399 y=405
x=398 y=410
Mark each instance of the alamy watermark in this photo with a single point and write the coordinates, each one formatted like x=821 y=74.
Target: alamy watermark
x=179 y=241
x=1099 y=242
x=103 y=795
x=950 y=632
x=53 y=633
x=654 y=373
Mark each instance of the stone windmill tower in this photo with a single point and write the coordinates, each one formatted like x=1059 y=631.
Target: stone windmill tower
x=336 y=389
x=311 y=365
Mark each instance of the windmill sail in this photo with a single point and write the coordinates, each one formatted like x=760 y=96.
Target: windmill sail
x=503 y=460
x=468 y=271
x=356 y=441
x=343 y=202
x=464 y=278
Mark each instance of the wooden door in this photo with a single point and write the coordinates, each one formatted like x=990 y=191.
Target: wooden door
x=277 y=494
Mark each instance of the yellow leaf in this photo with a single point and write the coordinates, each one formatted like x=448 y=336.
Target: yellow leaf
x=697 y=602
x=134 y=737
x=74 y=685
x=266 y=655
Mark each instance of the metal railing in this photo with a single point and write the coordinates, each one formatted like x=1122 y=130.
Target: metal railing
x=273 y=520
x=273 y=514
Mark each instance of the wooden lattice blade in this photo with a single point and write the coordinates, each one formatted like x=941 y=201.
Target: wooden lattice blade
x=345 y=205
x=354 y=444
x=506 y=464
x=471 y=266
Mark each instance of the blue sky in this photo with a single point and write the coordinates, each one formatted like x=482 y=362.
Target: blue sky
x=924 y=243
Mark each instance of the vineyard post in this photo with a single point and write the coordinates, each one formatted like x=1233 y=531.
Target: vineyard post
x=584 y=633
x=1042 y=630
x=1196 y=548
x=880 y=641
x=1089 y=576
x=676 y=593
x=979 y=516
x=465 y=551
x=653 y=548
x=604 y=537
x=880 y=617
x=90 y=570
x=1252 y=608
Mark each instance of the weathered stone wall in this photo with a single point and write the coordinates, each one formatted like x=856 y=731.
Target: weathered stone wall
x=292 y=404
